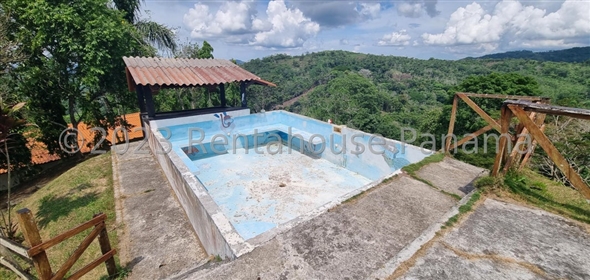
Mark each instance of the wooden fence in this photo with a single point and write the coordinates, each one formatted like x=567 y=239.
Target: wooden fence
x=36 y=253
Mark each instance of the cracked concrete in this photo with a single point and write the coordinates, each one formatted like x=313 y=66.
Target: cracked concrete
x=505 y=241
x=156 y=239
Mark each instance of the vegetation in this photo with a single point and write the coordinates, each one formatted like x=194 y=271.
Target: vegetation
x=383 y=94
x=463 y=209
x=533 y=188
x=69 y=200
x=579 y=54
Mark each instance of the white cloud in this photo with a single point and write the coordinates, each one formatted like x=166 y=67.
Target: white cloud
x=232 y=18
x=369 y=10
x=289 y=28
x=238 y=23
x=411 y=10
x=513 y=24
x=400 y=38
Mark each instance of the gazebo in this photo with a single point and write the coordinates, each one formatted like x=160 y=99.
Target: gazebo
x=147 y=75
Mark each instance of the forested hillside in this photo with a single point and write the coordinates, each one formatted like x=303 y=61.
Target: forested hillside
x=579 y=54
x=382 y=94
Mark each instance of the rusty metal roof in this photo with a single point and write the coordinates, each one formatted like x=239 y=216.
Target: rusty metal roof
x=185 y=72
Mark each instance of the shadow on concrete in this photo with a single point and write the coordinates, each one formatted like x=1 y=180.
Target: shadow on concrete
x=52 y=208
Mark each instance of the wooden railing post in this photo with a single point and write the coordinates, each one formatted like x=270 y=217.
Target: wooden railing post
x=105 y=247
x=31 y=233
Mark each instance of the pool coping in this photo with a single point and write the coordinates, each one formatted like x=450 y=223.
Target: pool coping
x=217 y=234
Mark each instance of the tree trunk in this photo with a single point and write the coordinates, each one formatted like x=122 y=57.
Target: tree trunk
x=74 y=122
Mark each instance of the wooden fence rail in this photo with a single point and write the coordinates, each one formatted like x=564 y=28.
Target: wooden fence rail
x=38 y=247
x=8 y=246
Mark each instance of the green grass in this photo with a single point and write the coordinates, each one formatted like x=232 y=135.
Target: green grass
x=463 y=209
x=414 y=167
x=535 y=189
x=69 y=200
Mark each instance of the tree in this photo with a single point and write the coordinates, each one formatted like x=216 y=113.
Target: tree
x=73 y=66
x=151 y=32
x=10 y=123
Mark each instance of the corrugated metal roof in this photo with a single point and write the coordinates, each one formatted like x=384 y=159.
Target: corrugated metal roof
x=152 y=71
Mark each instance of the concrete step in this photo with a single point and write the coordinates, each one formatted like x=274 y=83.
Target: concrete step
x=452 y=176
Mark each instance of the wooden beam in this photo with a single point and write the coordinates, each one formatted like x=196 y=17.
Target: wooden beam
x=516 y=153
x=58 y=239
x=530 y=152
x=506 y=116
x=503 y=96
x=243 y=94
x=92 y=265
x=479 y=111
x=552 y=109
x=61 y=272
x=473 y=135
x=149 y=101
x=30 y=231
x=573 y=177
x=451 y=123
x=22 y=274
x=15 y=247
x=105 y=248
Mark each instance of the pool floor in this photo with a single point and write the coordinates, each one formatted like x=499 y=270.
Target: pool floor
x=257 y=192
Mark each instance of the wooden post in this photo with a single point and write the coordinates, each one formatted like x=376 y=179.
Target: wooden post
x=505 y=118
x=222 y=95
x=140 y=99
x=451 y=124
x=243 y=94
x=105 y=247
x=29 y=228
x=149 y=101
x=516 y=153
x=543 y=141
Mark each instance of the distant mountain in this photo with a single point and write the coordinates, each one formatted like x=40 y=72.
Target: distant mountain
x=579 y=54
x=240 y=62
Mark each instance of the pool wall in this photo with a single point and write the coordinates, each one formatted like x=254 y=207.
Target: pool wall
x=215 y=231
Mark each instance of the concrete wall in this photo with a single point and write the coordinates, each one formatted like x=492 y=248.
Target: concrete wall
x=217 y=235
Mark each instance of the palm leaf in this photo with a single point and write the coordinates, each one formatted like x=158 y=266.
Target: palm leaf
x=130 y=8
x=157 y=34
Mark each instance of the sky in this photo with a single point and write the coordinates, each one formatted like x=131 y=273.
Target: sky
x=444 y=29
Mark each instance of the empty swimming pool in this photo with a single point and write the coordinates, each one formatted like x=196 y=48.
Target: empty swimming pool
x=242 y=178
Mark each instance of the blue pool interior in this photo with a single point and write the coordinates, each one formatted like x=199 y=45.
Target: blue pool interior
x=266 y=169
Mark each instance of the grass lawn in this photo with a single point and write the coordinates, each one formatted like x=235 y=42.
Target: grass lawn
x=535 y=189
x=69 y=200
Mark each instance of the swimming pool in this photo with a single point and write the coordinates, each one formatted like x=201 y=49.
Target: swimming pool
x=242 y=178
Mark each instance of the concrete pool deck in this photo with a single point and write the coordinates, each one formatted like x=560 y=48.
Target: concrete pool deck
x=155 y=237
x=368 y=237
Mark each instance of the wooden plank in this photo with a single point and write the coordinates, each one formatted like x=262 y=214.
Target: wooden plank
x=530 y=153
x=22 y=274
x=105 y=247
x=78 y=252
x=505 y=124
x=15 y=247
x=480 y=112
x=451 y=123
x=473 y=135
x=552 y=109
x=516 y=153
x=543 y=141
x=503 y=96
x=92 y=265
x=29 y=228
x=56 y=240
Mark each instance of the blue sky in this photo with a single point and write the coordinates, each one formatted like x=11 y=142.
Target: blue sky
x=413 y=28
